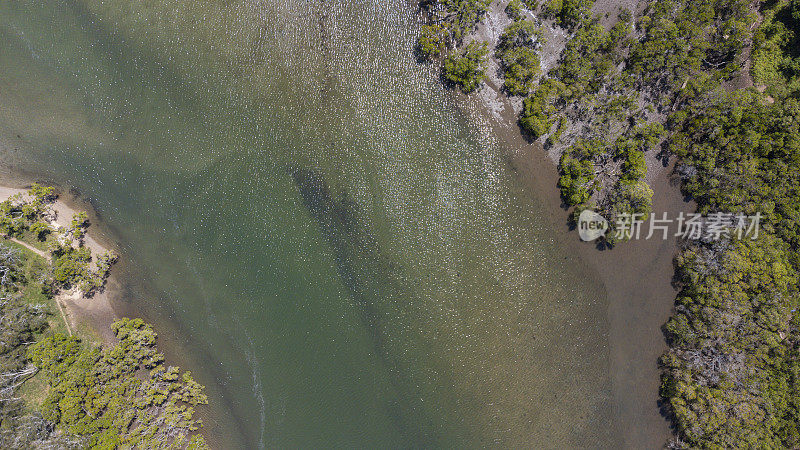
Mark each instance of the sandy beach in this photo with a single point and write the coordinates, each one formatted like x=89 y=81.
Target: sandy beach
x=94 y=312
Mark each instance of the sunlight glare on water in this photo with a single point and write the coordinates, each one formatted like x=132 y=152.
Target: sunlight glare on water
x=340 y=251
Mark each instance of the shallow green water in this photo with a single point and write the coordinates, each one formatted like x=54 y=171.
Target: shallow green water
x=343 y=257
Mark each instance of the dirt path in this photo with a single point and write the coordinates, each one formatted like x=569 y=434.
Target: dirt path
x=63 y=315
x=31 y=248
x=95 y=312
x=57 y=299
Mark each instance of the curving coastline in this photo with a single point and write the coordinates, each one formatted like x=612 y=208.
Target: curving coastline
x=637 y=277
x=250 y=288
x=96 y=311
x=81 y=377
x=727 y=362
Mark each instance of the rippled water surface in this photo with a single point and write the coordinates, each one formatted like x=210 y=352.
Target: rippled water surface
x=321 y=235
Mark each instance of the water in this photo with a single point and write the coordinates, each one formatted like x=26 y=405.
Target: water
x=328 y=243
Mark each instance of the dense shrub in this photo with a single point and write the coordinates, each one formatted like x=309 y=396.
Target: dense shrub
x=448 y=22
x=731 y=374
x=101 y=395
x=585 y=62
x=569 y=13
x=577 y=167
x=71 y=266
x=682 y=38
x=430 y=43
x=776 y=53
x=739 y=153
x=539 y=108
x=468 y=69
x=518 y=58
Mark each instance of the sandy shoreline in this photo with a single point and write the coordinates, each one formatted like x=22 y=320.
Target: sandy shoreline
x=93 y=316
x=95 y=313
x=636 y=276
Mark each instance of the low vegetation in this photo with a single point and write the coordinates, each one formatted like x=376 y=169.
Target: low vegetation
x=58 y=390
